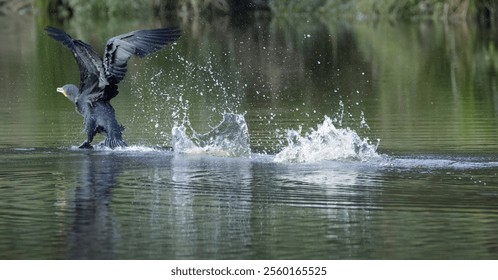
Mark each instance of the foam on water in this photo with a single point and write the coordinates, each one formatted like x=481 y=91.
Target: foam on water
x=326 y=142
x=230 y=138
x=129 y=149
x=437 y=162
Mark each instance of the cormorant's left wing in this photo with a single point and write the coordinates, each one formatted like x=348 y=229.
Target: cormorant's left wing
x=119 y=49
x=89 y=62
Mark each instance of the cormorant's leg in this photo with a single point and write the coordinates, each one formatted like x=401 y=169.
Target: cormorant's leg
x=90 y=132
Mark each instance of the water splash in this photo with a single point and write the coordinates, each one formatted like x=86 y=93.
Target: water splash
x=326 y=143
x=198 y=92
x=230 y=138
x=222 y=88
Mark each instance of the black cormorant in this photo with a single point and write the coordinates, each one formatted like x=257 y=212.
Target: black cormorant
x=99 y=77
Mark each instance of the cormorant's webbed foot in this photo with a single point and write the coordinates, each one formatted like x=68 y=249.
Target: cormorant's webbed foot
x=86 y=145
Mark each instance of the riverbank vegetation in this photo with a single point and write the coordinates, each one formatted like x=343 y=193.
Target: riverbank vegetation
x=482 y=11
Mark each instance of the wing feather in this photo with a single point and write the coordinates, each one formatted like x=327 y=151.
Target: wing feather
x=119 y=49
x=89 y=62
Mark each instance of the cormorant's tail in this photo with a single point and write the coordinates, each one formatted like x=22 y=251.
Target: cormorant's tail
x=113 y=143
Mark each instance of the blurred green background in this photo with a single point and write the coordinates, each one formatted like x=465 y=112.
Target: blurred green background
x=422 y=73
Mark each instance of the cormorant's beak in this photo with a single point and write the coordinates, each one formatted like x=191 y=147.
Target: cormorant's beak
x=61 y=90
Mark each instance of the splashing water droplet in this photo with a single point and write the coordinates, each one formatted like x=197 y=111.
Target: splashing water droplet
x=326 y=143
x=229 y=138
x=363 y=122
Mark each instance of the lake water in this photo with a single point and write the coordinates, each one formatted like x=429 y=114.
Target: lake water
x=257 y=139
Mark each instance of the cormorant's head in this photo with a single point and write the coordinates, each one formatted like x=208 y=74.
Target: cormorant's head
x=69 y=91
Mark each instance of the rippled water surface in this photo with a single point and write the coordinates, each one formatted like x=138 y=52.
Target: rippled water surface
x=59 y=203
x=261 y=140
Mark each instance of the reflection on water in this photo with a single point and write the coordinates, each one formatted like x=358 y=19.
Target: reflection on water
x=94 y=232
x=155 y=204
x=215 y=220
x=427 y=91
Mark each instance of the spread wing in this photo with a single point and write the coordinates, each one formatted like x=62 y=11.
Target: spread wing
x=119 y=49
x=99 y=78
x=92 y=76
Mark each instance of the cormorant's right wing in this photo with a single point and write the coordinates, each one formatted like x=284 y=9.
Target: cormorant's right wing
x=89 y=62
